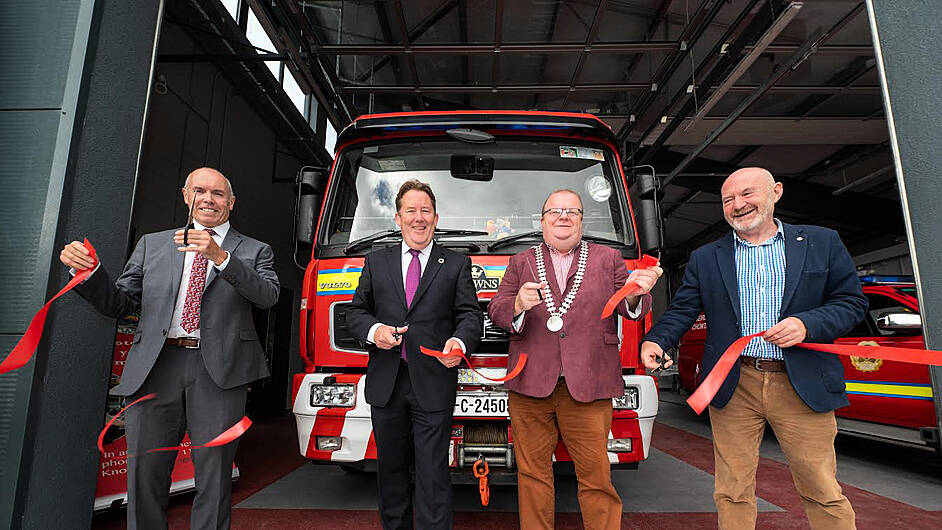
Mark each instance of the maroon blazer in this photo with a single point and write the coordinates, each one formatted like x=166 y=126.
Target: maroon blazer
x=586 y=347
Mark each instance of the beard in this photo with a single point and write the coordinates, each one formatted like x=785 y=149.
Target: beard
x=763 y=214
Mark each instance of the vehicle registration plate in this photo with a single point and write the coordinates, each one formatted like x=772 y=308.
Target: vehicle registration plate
x=481 y=404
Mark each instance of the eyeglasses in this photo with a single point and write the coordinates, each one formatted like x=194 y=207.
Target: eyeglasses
x=556 y=213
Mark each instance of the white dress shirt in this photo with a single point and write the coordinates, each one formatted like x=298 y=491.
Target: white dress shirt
x=176 y=330
x=405 y=258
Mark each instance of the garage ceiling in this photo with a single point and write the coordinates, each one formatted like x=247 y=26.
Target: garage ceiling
x=696 y=88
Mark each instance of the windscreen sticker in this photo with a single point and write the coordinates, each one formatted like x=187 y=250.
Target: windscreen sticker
x=338 y=281
x=566 y=151
x=487 y=277
x=392 y=164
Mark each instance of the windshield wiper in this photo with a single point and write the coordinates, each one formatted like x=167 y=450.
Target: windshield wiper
x=364 y=241
x=516 y=237
x=439 y=232
x=504 y=241
x=597 y=239
x=450 y=232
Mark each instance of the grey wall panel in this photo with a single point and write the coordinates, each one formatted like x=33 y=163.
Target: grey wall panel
x=12 y=412
x=27 y=157
x=96 y=162
x=906 y=42
x=35 y=47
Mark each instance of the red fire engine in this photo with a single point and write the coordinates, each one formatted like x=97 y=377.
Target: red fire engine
x=889 y=401
x=490 y=172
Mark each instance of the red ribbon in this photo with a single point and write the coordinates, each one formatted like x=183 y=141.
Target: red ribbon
x=646 y=263
x=699 y=400
x=229 y=435
x=26 y=347
x=101 y=437
x=521 y=361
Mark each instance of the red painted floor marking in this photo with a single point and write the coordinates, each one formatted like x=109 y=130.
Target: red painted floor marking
x=774 y=484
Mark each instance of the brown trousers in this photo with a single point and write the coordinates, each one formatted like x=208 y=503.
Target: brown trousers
x=806 y=438
x=537 y=425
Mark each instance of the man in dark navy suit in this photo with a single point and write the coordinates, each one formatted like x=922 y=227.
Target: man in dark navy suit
x=414 y=294
x=799 y=283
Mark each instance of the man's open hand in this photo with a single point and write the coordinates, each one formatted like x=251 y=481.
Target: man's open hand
x=450 y=362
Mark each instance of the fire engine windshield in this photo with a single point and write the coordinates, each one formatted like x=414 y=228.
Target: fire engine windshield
x=496 y=188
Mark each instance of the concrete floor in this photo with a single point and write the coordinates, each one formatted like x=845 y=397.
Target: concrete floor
x=890 y=487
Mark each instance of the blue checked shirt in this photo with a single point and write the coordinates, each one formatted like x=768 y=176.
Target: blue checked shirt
x=760 y=271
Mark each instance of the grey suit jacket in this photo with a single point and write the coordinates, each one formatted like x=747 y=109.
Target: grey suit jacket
x=229 y=345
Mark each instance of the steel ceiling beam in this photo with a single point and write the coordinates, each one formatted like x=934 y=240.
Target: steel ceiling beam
x=323 y=80
x=857 y=68
x=806 y=49
x=590 y=38
x=498 y=39
x=782 y=20
x=439 y=13
x=544 y=58
x=843 y=157
x=718 y=61
x=550 y=48
x=462 y=10
x=662 y=11
x=599 y=87
x=817 y=201
x=410 y=59
x=705 y=14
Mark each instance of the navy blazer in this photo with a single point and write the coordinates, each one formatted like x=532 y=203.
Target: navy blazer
x=821 y=289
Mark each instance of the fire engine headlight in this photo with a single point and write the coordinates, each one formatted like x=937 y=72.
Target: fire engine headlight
x=333 y=395
x=330 y=443
x=629 y=400
x=620 y=445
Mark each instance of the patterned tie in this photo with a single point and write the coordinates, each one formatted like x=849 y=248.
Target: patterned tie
x=194 y=292
x=413 y=275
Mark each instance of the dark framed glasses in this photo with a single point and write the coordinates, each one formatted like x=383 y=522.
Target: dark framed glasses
x=556 y=213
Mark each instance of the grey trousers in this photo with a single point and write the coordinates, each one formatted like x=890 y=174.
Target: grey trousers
x=187 y=400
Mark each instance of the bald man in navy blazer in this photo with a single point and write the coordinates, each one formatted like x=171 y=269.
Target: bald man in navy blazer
x=799 y=283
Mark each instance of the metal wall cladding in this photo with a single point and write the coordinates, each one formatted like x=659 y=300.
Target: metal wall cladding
x=27 y=144
x=35 y=51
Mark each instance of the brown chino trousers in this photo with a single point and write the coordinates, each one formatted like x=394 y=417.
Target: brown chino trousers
x=806 y=438
x=537 y=424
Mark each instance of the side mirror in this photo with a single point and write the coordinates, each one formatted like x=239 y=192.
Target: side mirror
x=309 y=188
x=899 y=321
x=648 y=218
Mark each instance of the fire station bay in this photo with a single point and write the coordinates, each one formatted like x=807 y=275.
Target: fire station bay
x=474 y=264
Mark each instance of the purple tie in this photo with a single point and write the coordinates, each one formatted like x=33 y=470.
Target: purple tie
x=413 y=275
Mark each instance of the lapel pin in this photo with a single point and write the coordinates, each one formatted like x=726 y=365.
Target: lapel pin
x=441 y=260
x=799 y=238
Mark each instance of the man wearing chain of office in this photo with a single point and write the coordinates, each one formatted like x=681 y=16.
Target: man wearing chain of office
x=550 y=300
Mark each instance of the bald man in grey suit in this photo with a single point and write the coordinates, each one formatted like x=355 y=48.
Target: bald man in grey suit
x=195 y=347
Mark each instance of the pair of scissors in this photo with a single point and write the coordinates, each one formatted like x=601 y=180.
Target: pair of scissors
x=661 y=361
x=396 y=335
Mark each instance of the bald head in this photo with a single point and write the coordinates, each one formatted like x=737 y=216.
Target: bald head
x=753 y=176
x=749 y=196
x=207 y=171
